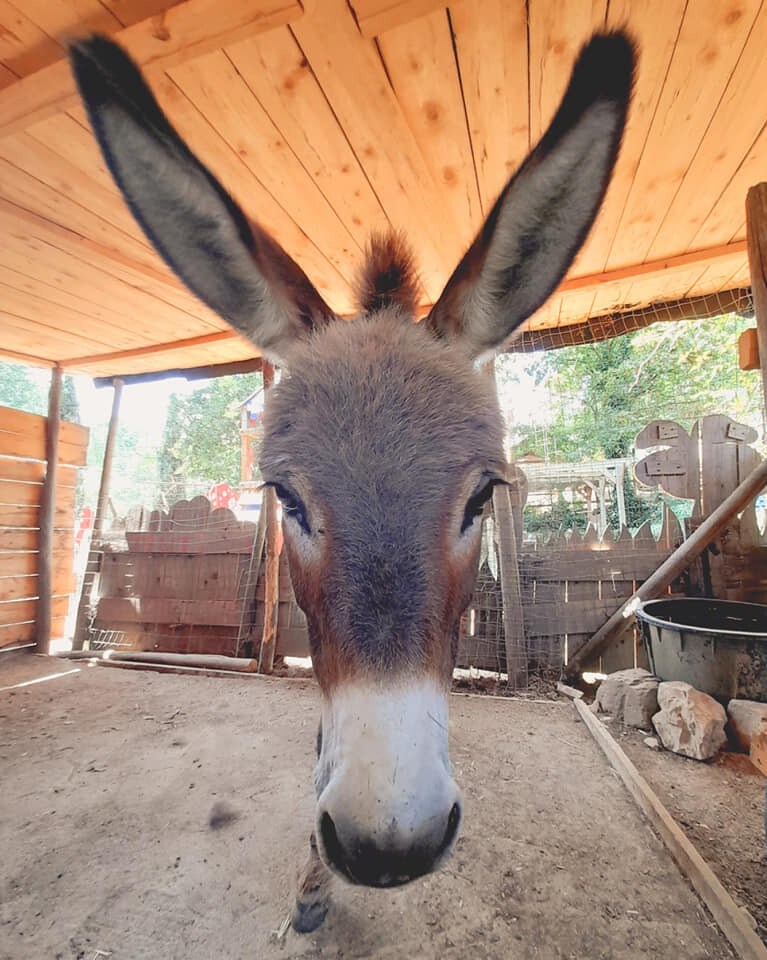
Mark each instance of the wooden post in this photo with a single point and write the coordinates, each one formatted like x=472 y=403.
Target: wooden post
x=48 y=515
x=675 y=564
x=94 y=551
x=511 y=591
x=756 y=230
x=271 y=560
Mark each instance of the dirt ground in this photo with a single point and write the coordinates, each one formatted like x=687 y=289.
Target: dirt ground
x=721 y=807
x=109 y=778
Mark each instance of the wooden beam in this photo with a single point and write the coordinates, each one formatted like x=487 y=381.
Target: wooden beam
x=728 y=916
x=271 y=561
x=48 y=516
x=94 y=552
x=756 y=230
x=13 y=356
x=641 y=271
x=188 y=373
x=185 y=31
x=672 y=567
x=152 y=348
x=375 y=17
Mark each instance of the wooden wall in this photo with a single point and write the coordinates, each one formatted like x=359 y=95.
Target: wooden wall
x=22 y=469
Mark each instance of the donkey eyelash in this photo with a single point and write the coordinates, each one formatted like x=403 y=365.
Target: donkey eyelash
x=292 y=506
x=476 y=503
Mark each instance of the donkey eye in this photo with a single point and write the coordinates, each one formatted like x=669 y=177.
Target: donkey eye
x=476 y=504
x=291 y=506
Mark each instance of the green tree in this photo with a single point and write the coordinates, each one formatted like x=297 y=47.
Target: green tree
x=602 y=394
x=201 y=441
x=18 y=389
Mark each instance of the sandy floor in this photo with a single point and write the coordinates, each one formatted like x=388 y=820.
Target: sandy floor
x=108 y=782
x=721 y=807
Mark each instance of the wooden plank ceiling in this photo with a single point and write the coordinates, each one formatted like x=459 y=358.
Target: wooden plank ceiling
x=327 y=119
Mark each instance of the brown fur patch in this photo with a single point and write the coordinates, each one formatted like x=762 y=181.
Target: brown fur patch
x=389 y=277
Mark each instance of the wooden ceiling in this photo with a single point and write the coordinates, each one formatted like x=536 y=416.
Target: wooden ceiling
x=326 y=119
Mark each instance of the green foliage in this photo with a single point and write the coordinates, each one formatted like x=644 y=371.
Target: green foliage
x=561 y=515
x=602 y=394
x=202 y=434
x=70 y=408
x=19 y=389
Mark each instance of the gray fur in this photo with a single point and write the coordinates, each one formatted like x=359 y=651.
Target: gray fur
x=376 y=427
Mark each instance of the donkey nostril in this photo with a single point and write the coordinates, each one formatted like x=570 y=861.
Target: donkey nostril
x=332 y=844
x=453 y=821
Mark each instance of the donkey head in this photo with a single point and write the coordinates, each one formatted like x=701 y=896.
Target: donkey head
x=383 y=441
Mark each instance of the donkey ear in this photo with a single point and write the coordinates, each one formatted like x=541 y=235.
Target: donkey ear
x=230 y=264
x=545 y=211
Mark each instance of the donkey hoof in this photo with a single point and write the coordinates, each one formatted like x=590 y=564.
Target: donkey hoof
x=308 y=916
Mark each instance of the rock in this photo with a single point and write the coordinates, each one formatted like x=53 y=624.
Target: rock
x=631 y=696
x=689 y=722
x=758 y=756
x=744 y=718
x=652 y=742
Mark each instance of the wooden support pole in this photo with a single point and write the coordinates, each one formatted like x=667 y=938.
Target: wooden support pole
x=48 y=515
x=673 y=566
x=756 y=231
x=94 y=551
x=511 y=591
x=271 y=561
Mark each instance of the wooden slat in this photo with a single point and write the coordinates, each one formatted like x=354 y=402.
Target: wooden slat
x=493 y=62
x=727 y=216
x=729 y=135
x=24 y=47
x=164 y=610
x=24 y=632
x=340 y=58
x=375 y=17
x=22 y=611
x=420 y=62
x=21 y=445
x=237 y=177
x=188 y=30
x=276 y=70
x=26 y=587
x=33 y=425
x=13 y=538
x=33 y=471
x=21 y=564
x=575 y=616
x=655 y=27
x=215 y=576
x=62 y=19
x=153 y=277
x=708 y=46
x=26 y=494
x=223 y=539
x=216 y=88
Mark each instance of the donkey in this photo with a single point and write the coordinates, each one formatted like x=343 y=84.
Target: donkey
x=383 y=441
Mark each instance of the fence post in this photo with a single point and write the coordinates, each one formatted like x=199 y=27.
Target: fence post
x=271 y=560
x=48 y=515
x=94 y=551
x=756 y=231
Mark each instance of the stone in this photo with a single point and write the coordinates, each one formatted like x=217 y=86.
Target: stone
x=631 y=696
x=689 y=722
x=758 y=756
x=652 y=742
x=744 y=718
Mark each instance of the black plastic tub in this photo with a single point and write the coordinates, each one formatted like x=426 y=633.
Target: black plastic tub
x=718 y=646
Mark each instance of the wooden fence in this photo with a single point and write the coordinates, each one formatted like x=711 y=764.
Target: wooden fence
x=22 y=469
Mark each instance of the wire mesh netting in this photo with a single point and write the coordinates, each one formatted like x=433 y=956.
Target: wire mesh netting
x=581 y=416
x=180 y=574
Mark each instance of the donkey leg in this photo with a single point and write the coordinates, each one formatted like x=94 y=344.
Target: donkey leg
x=312 y=899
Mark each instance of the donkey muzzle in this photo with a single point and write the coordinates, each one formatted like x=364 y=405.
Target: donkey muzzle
x=388 y=808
